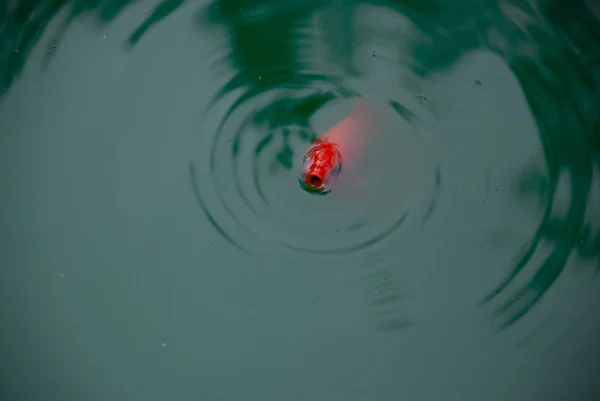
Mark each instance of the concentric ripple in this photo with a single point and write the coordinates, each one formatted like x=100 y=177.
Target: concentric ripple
x=248 y=154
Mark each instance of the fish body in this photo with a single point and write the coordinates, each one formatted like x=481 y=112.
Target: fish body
x=323 y=161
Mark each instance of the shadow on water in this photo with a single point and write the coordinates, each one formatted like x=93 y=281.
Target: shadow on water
x=273 y=46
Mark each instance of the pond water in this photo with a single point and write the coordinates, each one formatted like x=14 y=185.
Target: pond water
x=156 y=244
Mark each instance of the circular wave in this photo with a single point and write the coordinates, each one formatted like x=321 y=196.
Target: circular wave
x=247 y=156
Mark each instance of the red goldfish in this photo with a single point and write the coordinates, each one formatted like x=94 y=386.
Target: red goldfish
x=323 y=161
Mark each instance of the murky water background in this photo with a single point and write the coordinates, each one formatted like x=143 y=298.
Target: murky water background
x=156 y=244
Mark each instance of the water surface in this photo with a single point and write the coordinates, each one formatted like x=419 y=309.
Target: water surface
x=156 y=244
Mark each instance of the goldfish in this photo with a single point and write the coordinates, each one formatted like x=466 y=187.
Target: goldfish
x=324 y=159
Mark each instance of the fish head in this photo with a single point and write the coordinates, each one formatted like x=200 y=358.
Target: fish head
x=322 y=163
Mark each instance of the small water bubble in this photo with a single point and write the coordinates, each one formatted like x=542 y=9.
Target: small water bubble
x=260 y=77
x=164 y=344
x=105 y=35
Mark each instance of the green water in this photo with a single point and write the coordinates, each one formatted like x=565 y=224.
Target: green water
x=155 y=243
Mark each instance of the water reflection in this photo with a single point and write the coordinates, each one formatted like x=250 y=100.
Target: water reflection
x=293 y=59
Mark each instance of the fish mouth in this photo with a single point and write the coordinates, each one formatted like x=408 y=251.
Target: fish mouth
x=315 y=190
x=314 y=181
